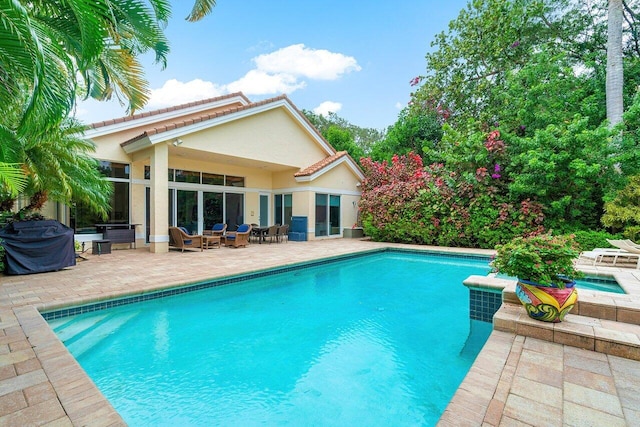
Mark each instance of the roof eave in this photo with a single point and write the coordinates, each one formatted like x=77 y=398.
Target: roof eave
x=350 y=164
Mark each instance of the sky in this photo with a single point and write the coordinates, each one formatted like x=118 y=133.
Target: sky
x=354 y=58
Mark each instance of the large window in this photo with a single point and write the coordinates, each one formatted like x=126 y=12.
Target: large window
x=83 y=220
x=187 y=210
x=213 y=209
x=196 y=177
x=283 y=208
x=327 y=214
x=235 y=210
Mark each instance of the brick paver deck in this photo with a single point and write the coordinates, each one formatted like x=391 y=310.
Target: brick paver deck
x=516 y=380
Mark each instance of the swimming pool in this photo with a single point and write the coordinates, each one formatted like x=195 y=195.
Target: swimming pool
x=383 y=339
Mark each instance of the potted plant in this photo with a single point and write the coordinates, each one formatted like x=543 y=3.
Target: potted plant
x=544 y=267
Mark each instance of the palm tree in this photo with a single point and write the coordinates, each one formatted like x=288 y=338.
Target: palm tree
x=615 y=72
x=51 y=50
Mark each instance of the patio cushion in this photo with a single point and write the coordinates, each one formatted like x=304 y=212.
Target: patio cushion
x=243 y=228
x=184 y=230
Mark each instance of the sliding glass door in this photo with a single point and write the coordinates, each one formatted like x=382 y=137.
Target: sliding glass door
x=327 y=215
x=213 y=209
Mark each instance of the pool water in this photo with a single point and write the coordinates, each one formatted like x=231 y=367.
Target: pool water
x=380 y=340
x=602 y=284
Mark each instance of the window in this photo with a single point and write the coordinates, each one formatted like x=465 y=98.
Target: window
x=83 y=220
x=212 y=179
x=234 y=181
x=234 y=204
x=114 y=170
x=283 y=208
x=187 y=176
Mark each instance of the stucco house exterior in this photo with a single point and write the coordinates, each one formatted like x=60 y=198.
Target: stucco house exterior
x=224 y=159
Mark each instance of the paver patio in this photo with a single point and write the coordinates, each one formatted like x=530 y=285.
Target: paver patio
x=516 y=379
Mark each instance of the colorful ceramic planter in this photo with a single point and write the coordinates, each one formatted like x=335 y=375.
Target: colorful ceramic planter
x=549 y=303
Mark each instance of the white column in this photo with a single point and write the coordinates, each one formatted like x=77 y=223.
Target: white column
x=159 y=235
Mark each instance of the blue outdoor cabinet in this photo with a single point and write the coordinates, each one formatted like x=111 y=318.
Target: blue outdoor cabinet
x=298 y=231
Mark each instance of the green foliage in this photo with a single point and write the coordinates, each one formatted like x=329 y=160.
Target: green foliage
x=624 y=210
x=590 y=239
x=632 y=233
x=342 y=140
x=565 y=167
x=627 y=153
x=417 y=131
x=364 y=138
x=543 y=259
x=404 y=202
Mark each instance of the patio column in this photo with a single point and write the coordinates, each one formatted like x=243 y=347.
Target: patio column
x=159 y=221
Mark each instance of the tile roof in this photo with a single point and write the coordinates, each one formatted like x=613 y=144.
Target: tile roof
x=165 y=110
x=205 y=117
x=322 y=164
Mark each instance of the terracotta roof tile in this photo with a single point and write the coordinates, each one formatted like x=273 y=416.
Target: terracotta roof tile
x=193 y=120
x=165 y=110
x=321 y=164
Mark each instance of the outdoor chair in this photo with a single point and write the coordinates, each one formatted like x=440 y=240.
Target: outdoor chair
x=217 y=230
x=623 y=251
x=283 y=232
x=272 y=233
x=179 y=238
x=238 y=238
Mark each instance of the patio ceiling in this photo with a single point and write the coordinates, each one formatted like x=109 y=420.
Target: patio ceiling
x=205 y=156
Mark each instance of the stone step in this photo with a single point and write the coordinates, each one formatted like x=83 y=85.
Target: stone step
x=592 y=333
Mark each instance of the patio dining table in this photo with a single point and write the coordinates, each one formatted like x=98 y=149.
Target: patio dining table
x=259 y=231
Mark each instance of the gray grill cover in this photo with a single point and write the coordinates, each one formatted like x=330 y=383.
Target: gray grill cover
x=37 y=246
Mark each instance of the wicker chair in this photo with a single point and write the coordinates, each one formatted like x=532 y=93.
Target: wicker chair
x=272 y=233
x=179 y=238
x=283 y=232
x=238 y=238
x=217 y=230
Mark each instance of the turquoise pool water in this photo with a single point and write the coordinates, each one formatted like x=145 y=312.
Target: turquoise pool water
x=603 y=284
x=378 y=340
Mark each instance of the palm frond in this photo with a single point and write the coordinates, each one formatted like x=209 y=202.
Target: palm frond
x=200 y=9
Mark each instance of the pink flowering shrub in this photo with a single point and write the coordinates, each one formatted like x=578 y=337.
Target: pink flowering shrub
x=403 y=201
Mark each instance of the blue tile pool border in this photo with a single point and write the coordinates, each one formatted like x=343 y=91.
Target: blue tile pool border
x=211 y=283
x=483 y=304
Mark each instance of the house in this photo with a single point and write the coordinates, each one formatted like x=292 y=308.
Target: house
x=224 y=159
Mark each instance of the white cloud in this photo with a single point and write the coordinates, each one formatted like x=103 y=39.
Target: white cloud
x=278 y=72
x=298 y=60
x=399 y=105
x=175 y=92
x=257 y=82
x=327 y=107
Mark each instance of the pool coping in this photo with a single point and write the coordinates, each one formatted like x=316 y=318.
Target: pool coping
x=77 y=400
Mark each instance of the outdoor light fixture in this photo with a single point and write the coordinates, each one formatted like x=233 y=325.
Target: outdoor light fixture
x=177 y=142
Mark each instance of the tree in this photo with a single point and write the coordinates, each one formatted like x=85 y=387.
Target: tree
x=615 y=72
x=96 y=50
x=417 y=131
x=363 y=138
x=342 y=140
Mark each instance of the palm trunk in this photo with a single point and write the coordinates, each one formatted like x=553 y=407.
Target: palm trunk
x=615 y=73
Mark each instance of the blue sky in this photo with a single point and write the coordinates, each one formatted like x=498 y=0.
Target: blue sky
x=355 y=58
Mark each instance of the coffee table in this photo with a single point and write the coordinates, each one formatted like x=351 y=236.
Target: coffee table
x=208 y=241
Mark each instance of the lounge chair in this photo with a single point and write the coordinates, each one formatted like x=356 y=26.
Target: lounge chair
x=217 y=230
x=622 y=251
x=180 y=238
x=238 y=238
